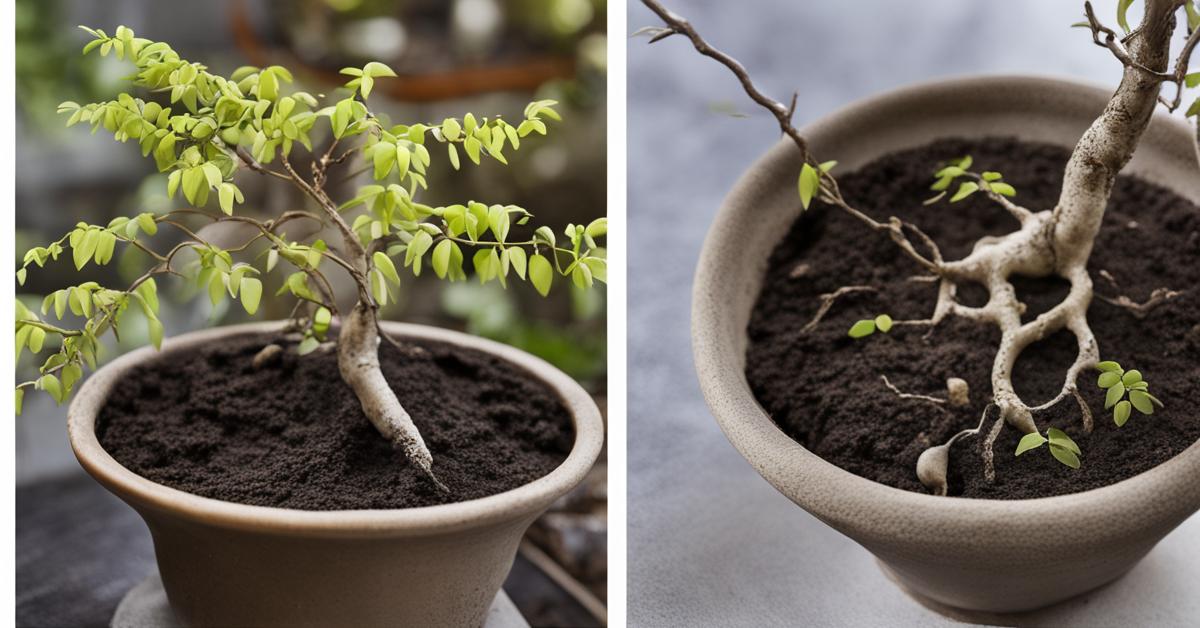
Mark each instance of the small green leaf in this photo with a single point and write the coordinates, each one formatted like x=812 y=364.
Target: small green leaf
x=1108 y=379
x=1060 y=438
x=50 y=384
x=884 y=323
x=808 y=184
x=1131 y=377
x=251 y=293
x=1065 y=456
x=1141 y=400
x=19 y=397
x=1032 y=440
x=441 y=258
x=1114 y=395
x=1003 y=189
x=1122 y=14
x=378 y=69
x=385 y=266
x=155 y=329
x=225 y=196
x=1121 y=413
x=517 y=259
x=1109 y=365
x=964 y=190
x=308 y=345
x=541 y=274
x=862 y=329
x=990 y=176
x=147 y=223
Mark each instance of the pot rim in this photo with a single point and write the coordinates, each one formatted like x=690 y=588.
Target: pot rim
x=779 y=458
x=525 y=500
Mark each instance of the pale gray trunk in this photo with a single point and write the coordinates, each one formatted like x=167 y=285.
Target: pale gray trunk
x=358 y=362
x=1109 y=143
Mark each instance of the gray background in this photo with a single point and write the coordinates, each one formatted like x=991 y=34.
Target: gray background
x=711 y=543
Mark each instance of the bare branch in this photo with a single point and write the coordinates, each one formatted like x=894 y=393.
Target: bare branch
x=1117 y=46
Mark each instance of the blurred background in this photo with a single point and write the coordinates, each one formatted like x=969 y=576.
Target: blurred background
x=710 y=542
x=485 y=56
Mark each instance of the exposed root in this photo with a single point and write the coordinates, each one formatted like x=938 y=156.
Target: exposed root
x=267 y=356
x=934 y=463
x=1141 y=310
x=989 y=454
x=358 y=361
x=1084 y=410
x=827 y=301
x=903 y=395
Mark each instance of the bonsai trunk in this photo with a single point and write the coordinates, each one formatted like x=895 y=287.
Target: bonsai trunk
x=358 y=340
x=358 y=363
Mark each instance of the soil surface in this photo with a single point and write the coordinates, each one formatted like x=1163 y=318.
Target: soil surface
x=824 y=388
x=292 y=434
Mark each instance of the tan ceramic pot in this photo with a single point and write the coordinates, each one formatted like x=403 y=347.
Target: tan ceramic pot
x=227 y=564
x=986 y=555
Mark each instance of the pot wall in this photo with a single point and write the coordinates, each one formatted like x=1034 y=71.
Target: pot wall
x=989 y=555
x=227 y=564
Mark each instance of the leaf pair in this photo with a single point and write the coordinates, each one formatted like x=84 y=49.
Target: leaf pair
x=1062 y=447
x=810 y=181
x=866 y=327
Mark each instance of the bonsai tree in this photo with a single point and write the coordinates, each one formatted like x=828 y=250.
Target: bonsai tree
x=202 y=129
x=1055 y=241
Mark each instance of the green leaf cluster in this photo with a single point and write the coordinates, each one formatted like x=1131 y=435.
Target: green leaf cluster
x=1125 y=391
x=200 y=128
x=988 y=181
x=1061 y=447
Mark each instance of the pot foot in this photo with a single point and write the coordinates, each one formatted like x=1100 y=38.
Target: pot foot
x=146 y=606
x=1037 y=617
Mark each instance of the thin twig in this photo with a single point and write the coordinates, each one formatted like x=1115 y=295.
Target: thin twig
x=1116 y=45
x=827 y=301
x=1141 y=310
x=904 y=395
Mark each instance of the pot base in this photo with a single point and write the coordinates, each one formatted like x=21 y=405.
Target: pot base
x=146 y=606
x=985 y=618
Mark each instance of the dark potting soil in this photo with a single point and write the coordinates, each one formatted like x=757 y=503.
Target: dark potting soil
x=824 y=389
x=292 y=434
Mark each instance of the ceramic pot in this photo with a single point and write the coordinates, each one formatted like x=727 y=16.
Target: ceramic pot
x=228 y=564
x=976 y=554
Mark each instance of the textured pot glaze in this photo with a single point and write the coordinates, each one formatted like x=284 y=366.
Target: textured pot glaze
x=986 y=555
x=227 y=564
